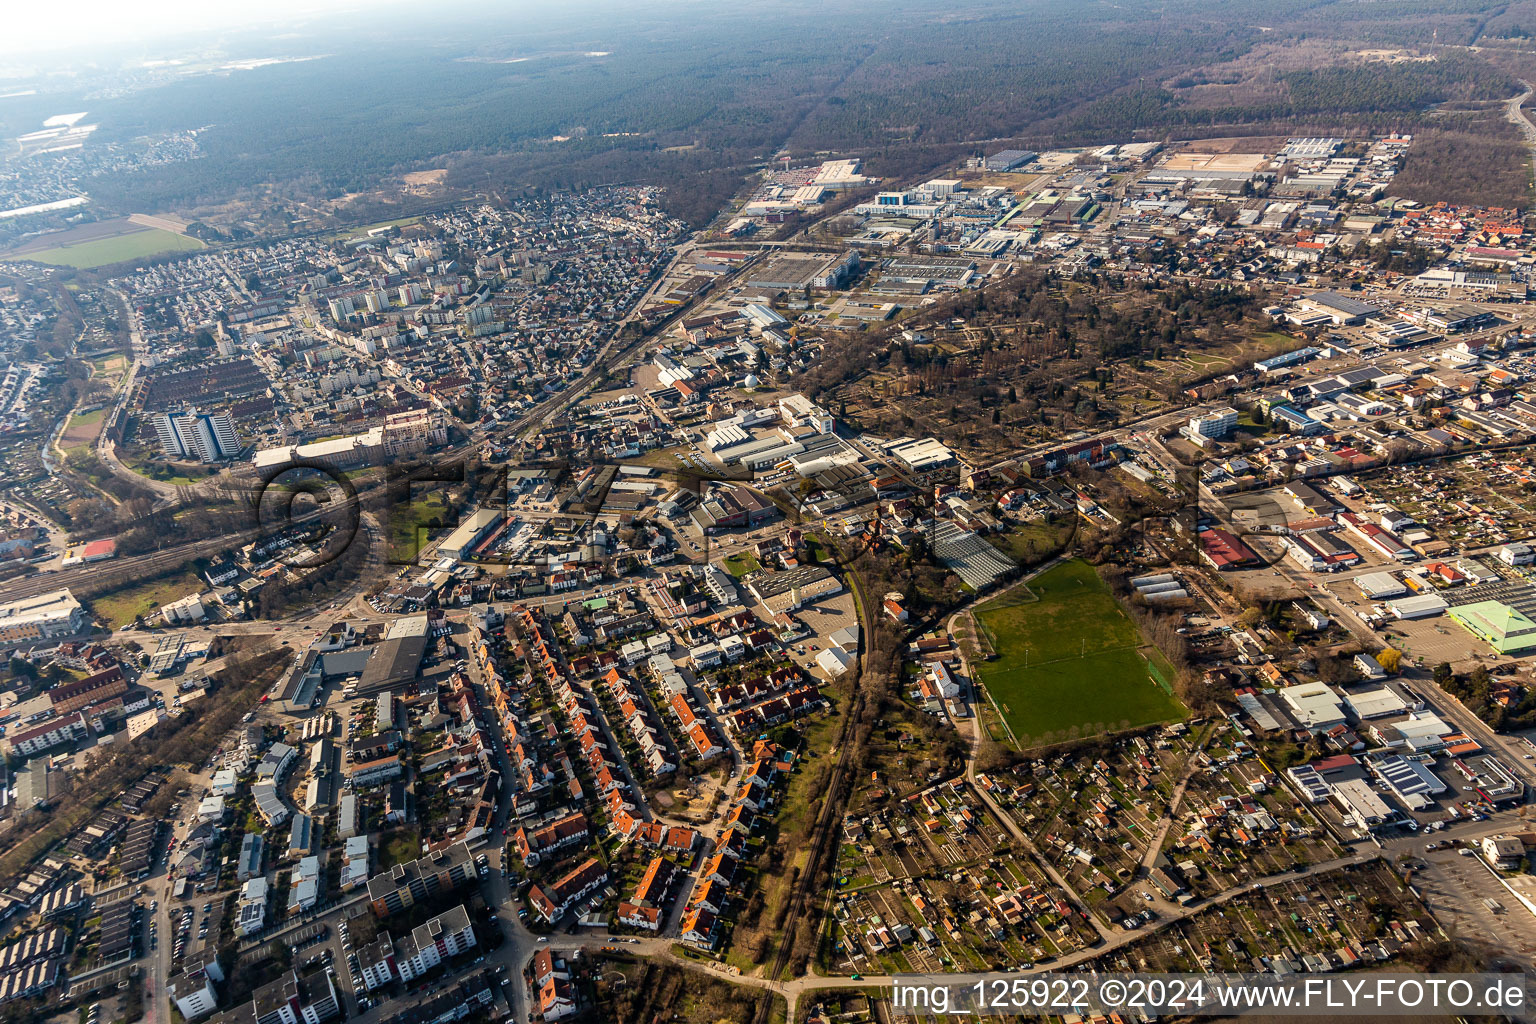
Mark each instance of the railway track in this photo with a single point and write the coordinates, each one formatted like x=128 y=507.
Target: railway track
x=824 y=828
x=98 y=576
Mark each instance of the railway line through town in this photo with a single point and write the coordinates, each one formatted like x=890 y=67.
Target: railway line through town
x=824 y=831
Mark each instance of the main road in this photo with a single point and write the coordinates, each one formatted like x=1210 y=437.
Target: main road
x=1514 y=112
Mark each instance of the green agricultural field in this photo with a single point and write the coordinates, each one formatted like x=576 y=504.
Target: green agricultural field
x=1070 y=660
x=102 y=251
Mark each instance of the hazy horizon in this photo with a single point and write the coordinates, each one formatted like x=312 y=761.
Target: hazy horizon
x=41 y=31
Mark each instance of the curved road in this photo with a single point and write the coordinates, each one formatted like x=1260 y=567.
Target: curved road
x=1514 y=112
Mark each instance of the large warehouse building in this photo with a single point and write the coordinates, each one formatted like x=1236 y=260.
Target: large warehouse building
x=1505 y=629
x=1378 y=586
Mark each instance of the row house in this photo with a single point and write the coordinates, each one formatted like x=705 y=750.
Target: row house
x=552 y=901
x=697 y=730
x=551 y=983
x=541 y=841
x=644 y=908
x=647 y=734
x=372 y=773
x=700 y=926
x=711 y=895
x=731 y=696
x=775 y=710
x=621 y=817
x=673 y=839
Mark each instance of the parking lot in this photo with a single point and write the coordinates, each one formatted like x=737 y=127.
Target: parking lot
x=1456 y=889
x=195 y=927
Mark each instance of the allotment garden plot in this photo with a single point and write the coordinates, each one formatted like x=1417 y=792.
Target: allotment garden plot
x=1070 y=662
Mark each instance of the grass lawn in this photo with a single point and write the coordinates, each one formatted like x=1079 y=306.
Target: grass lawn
x=664 y=458
x=167 y=477
x=141 y=464
x=818 y=549
x=102 y=251
x=741 y=563
x=1034 y=541
x=399 y=848
x=408 y=529
x=1277 y=339
x=119 y=607
x=1072 y=660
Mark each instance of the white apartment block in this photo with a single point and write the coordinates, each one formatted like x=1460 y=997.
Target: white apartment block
x=446 y=935
x=194 y=995
x=207 y=437
x=1216 y=424
x=55 y=613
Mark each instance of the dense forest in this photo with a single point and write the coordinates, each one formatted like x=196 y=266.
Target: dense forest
x=1472 y=158
x=585 y=95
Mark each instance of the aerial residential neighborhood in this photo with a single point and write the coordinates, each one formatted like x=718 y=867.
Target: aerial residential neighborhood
x=750 y=516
